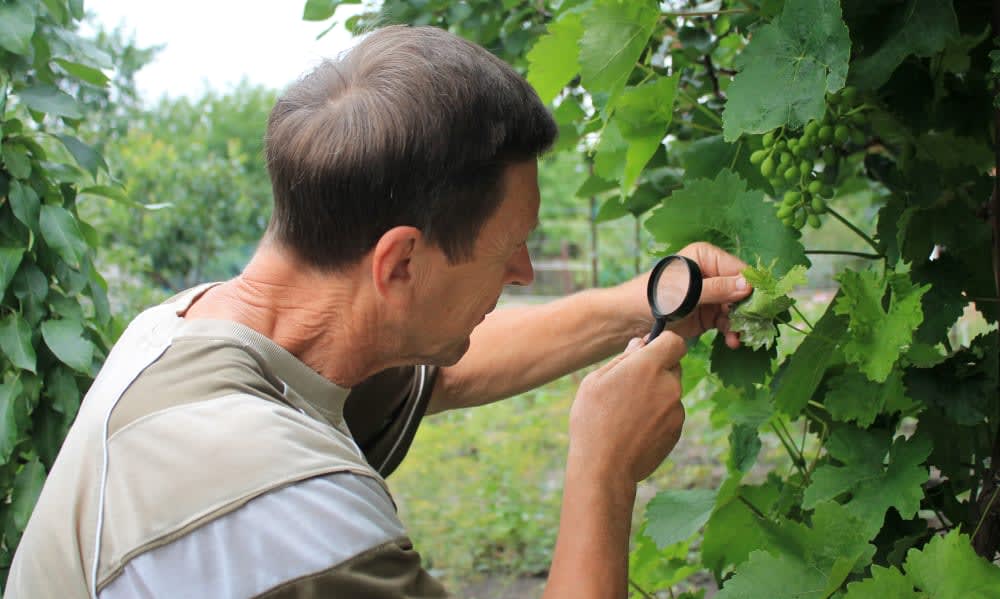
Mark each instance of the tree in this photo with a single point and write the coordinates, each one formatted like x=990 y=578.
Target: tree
x=751 y=125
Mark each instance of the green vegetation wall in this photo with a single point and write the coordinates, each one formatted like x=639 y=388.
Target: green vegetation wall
x=753 y=125
x=54 y=312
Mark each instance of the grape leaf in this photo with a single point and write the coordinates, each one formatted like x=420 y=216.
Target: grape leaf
x=873 y=485
x=723 y=210
x=744 y=445
x=614 y=35
x=676 y=514
x=742 y=367
x=877 y=337
x=787 y=68
x=734 y=531
x=805 y=561
x=886 y=583
x=643 y=114
x=754 y=317
x=948 y=568
x=921 y=27
x=552 y=61
x=963 y=386
x=800 y=375
x=851 y=397
x=27 y=488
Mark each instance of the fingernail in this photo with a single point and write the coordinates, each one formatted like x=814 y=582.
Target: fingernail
x=741 y=284
x=634 y=343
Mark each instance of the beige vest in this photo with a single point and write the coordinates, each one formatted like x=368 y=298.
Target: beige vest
x=143 y=485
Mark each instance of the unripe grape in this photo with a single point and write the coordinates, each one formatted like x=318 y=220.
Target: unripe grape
x=825 y=134
x=805 y=167
x=842 y=134
x=758 y=157
x=800 y=219
x=813 y=221
x=791 y=198
x=792 y=174
x=767 y=167
x=786 y=158
x=811 y=129
x=780 y=145
x=785 y=211
x=857 y=118
x=849 y=94
x=830 y=156
x=818 y=205
x=768 y=139
x=777 y=181
x=788 y=221
x=815 y=186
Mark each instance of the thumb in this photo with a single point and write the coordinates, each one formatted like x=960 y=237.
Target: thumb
x=724 y=290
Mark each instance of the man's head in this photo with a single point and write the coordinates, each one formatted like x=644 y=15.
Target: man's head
x=412 y=127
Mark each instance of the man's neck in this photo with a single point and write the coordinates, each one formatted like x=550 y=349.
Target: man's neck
x=318 y=317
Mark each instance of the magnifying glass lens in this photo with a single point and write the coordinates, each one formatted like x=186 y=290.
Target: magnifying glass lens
x=673 y=291
x=671 y=287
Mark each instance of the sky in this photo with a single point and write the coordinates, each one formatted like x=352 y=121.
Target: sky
x=213 y=44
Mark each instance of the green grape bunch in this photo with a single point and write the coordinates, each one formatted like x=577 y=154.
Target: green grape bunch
x=805 y=163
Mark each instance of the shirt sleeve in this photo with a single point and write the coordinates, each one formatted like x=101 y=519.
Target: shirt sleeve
x=384 y=412
x=330 y=536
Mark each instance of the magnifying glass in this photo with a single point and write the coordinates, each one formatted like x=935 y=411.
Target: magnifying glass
x=673 y=291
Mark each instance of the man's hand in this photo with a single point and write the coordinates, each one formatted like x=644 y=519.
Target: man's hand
x=627 y=415
x=722 y=285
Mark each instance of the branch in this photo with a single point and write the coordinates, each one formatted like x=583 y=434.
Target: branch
x=710 y=71
x=854 y=228
x=844 y=253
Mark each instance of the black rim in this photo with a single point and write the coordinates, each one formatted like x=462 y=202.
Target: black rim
x=690 y=298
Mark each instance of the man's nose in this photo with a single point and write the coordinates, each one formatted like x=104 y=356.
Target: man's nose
x=520 y=271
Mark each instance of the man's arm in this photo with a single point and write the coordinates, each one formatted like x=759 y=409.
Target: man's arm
x=518 y=349
x=627 y=416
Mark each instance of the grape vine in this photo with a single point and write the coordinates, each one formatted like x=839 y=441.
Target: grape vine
x=740 y=123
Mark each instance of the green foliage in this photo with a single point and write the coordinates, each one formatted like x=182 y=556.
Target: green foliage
x=55 y=319
x=786 y=68
x=870 y=122
x=754 y=318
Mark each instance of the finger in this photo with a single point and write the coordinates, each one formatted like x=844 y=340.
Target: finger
x=666 y=350
x=716 y=262
x=722 y=290
x=733 y=340
x=634 y=344
x=722 y=323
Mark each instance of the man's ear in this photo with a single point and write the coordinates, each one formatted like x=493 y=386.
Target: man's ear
x=392 y=268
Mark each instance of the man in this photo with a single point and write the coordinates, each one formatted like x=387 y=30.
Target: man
x=235 y=441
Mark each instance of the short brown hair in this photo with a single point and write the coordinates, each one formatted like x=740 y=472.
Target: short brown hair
x=413 y=126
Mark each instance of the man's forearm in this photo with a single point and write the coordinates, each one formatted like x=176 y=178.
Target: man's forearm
x=591 y=556
x=521 y=348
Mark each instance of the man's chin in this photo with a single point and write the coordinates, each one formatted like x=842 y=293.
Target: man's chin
x=451 y=355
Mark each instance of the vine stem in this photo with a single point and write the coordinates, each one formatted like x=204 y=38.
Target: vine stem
x=696 y=104
x=752 y=507
x=706 y=13
x=795 y=328
x=985 y=513
x=639 y=589
x=854 y=228
x=844 y=253
x=789 y=447
x=802 y=316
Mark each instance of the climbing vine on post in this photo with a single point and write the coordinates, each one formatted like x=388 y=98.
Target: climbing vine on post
x=747 y=123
